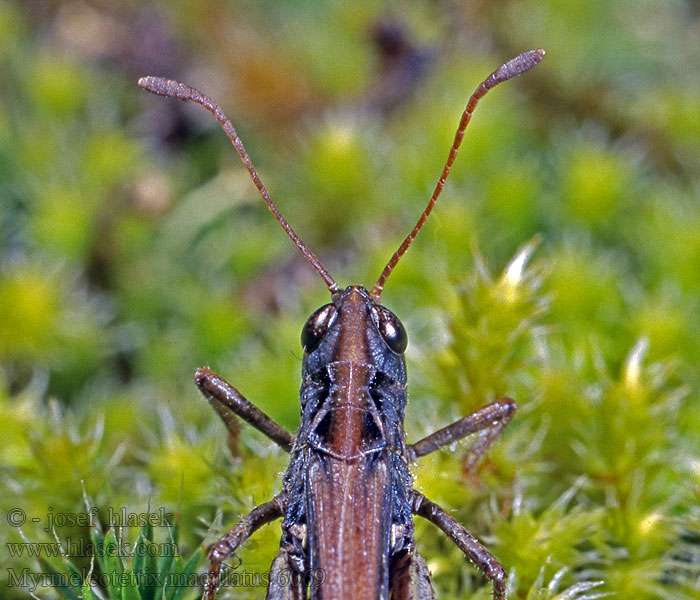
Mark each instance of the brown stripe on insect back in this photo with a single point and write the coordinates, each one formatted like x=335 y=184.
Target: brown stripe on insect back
x=346 y=425
x=356 y=319
x=348 y=484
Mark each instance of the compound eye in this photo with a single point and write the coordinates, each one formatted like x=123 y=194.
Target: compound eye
x=391 y=329
x=316 y=327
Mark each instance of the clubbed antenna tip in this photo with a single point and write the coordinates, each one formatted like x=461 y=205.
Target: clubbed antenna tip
x=514 y=67
x=181 y=91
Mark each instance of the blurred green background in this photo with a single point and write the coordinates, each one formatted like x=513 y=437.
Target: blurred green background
x=133 y=249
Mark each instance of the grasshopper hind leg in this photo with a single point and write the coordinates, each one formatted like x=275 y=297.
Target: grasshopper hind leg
x=410 y=577
x=288 y=579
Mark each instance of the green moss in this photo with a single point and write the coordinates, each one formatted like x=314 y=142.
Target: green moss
x=56 y=86
x=596 y=184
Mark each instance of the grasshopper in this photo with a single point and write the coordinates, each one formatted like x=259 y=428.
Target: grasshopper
x=347 y=501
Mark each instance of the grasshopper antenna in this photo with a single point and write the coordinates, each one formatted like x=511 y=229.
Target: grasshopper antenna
x=514 y=67
x=181 y=91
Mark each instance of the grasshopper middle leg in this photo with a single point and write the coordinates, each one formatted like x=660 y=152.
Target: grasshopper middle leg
x=239 y=533
x=465 y=541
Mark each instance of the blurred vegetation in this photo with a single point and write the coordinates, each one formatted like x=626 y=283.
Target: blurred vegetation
x=561 y=267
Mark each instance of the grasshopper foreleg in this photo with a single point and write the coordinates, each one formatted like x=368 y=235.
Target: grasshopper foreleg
x=227 y=401
x=489 y=421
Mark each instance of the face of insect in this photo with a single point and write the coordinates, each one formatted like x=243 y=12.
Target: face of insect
x=354 y=328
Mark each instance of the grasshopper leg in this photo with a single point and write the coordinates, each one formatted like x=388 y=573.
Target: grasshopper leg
x=287 y=576
x=239 y=533
x=465 y=541
x=227 y=401
x=489 y=421
x=410 y=577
